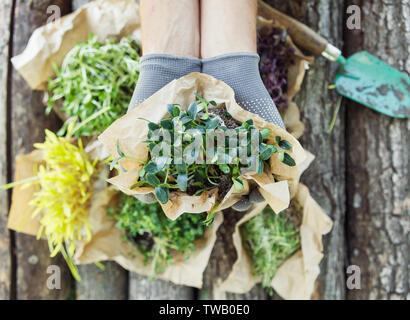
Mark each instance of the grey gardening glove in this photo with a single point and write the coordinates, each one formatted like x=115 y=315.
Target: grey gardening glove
x=241 y=72
x=156 y=71
x=246 y=203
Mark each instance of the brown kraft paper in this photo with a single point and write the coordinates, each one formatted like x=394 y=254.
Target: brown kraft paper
x=130 y=131
x=295 y=278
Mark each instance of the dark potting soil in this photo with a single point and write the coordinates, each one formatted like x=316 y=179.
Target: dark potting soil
x=230 y=122
x=144 y=240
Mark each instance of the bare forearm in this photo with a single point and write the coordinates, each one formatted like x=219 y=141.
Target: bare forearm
x=228 y=26
x=171 y=27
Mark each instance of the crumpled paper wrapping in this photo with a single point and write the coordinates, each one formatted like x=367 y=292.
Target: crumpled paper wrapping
x=296 y=72
x=50 y=43
x=20 y=216
x=107 y=240
x=107 y=244
x=296 y=277
x=116 y=19
x=130 y=131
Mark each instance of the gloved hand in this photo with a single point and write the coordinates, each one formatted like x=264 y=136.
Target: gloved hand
x=246 y=203
x=241 y=72
x=156 y=71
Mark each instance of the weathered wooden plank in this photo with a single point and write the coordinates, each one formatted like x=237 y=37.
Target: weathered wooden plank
x=108 y=284
x=78 y=3
x=97 y=284
x=27 y=126
x=326 y=176
x=378 y=164
x=142 y=288
x=220 y=264
x=5 y=253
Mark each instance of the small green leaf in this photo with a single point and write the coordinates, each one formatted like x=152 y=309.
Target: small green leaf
x=265 y=133
x=162 y=193
x=152 y=179
x=138 y=184
x=265 y=152
x=247 y=123
x=285 y=145
x=167 y=124
x=193 y=110
x=170 y=108
x=153 y=126
x=204 y=116
x=185 y=120
x=225 y=168
x=182 y=181
x=191 y=155
x=277 y=139
x=260 y=167
x=181 y=168
x=151 y=167
x=161 y=162
x=288 y=160
x=281 y=156
x=120 y=153
x=176 y=112
x=113 y=163
x=213 y=103
x=212 y=124
x=238 y=183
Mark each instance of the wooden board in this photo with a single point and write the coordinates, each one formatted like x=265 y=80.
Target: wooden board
x=360 y=176
x=142 y=288
x=378 y=171
x=222 y=259
x=326 y=176
x=5 y=255
x=108 y=284
x=28 y=121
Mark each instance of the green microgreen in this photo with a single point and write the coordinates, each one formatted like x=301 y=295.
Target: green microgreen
x=155 y=236
x=270 y=239
x=179 y=169
x=95 y=77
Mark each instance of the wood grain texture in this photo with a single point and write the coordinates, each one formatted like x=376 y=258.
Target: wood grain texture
x=142 y=288
x=108 y=284
x=326 y=176
x=28 y=121
x=5 y=249
x=378 y=163
x=78 y=3
x=97 y=284
x=221 y=261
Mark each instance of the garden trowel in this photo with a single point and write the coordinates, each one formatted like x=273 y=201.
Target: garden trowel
x=361 y=77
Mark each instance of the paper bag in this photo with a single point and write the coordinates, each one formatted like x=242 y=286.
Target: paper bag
x=130 y=132
x=295 y=278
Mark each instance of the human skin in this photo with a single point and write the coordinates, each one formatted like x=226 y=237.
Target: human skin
x=171 y=27
x=227 y=26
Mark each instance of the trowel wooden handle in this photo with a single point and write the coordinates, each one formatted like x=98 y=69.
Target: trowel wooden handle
x=301 y=34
